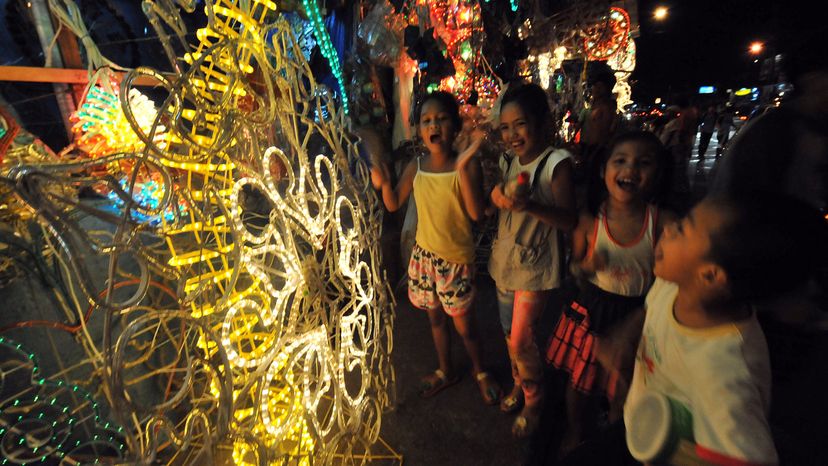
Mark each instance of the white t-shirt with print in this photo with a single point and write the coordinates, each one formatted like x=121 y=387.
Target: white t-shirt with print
x=721 y=374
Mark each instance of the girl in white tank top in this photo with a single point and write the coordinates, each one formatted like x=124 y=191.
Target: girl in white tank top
x=613 y=251
x=628 y=266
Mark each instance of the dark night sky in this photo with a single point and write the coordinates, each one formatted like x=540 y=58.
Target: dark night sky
x=705 y=42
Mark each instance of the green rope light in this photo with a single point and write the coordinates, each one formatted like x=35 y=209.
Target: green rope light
x=328 y=51
x=514 y=4
x=71 y=421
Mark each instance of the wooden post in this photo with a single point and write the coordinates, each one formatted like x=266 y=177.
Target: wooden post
x=36 y=74
x=46 y=34
x=69 y=47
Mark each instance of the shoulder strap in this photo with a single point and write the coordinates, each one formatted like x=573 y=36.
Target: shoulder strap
x=539 y=168
x=508 y=161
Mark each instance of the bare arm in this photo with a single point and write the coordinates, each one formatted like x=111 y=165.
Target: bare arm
x=471 y=186
x=471 y=177
x=394 y=198
x=616 y=351
x=561 y=216
x=582 y=264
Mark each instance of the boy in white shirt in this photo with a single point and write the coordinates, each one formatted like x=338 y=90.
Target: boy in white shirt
x=701 y=343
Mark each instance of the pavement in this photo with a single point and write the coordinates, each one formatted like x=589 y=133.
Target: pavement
x=455 y=427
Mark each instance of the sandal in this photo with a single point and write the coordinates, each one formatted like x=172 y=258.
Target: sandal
x=527 y=421
x=435 y=382
x=513 y=401
x=489 y=388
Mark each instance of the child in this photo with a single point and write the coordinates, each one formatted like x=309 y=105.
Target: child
x=525 y=253
x=612 y=248
x=448 y=195
x=701 y=342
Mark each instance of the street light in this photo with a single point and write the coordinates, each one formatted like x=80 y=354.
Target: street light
x=756 y=48
x=660 y=13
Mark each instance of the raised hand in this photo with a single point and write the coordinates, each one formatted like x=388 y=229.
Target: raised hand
x=596 y=262
x=476 y=138
x=500 y=200
x=380 y=175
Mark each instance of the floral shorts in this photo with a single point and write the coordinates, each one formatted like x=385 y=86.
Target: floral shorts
x=433 y=281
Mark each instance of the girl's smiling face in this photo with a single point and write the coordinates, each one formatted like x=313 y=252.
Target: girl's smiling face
x=517 y=130
x=630 y=172
x=436 y=127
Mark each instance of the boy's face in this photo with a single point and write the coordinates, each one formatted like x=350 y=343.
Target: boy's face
x=681 y=254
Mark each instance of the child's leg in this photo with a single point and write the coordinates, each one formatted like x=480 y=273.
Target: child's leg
x=466 y=326
x=454 y=285
x=616 y=401
x=505 y=307
x=576 y=403
x=527 y=310
x=422 y=278
x=441 y=334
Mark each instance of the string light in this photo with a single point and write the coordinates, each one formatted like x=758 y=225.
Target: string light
x=327 y=48
x=43 y=422
x=458 y=24
x=623 y=64
x=275 y=261
x=100 y=126
x=605 y=38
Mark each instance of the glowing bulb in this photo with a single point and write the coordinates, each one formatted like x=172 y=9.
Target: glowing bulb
x=660 y=13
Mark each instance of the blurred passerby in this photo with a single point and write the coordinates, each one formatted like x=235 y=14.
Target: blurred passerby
x=706 y=129
x=600 y=122
x=677 y=136
x=723 y=124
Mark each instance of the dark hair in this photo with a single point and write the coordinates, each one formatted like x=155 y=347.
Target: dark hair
x=597 y=189
x=600 y=72
x=768 y=243
x=449 y=104
x=531 y=98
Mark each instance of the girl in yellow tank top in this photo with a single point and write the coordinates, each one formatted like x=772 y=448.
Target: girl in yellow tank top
x=448 y=192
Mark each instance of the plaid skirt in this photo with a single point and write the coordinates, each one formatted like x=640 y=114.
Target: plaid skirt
x=571 y=348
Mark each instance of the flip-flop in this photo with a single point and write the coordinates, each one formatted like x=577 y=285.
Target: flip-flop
x=513 y=401
x=489 y=388
x=429 y=389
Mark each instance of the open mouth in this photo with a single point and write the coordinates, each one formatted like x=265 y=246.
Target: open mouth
x=434 y=138
x=627 y=185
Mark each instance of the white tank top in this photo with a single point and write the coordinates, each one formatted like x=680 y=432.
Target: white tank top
x=629 y=270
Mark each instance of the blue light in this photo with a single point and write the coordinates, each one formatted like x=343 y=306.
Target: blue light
x=147 y=197
x=707 y=90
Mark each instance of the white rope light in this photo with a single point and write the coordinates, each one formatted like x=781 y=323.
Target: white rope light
x=282 y=331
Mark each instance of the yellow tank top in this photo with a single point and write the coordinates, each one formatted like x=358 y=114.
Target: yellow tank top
x=443 y=228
